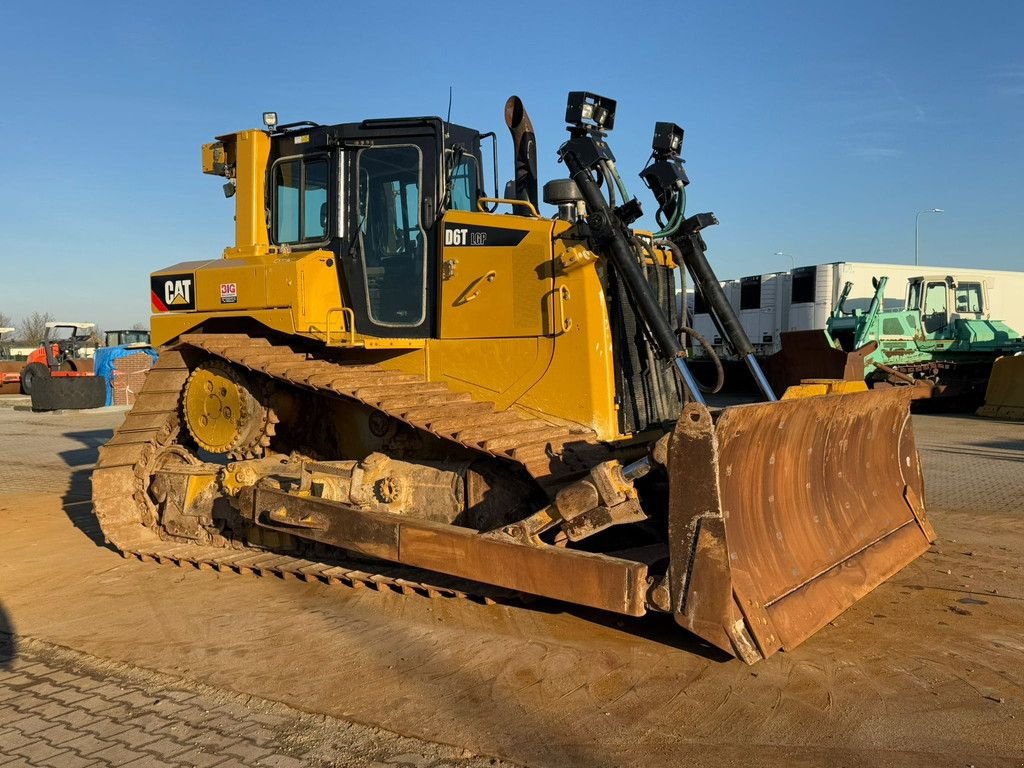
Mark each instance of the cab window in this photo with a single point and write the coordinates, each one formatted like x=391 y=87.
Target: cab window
x=391 y=235
x=935 y=311
x=914 y=296
x=465 y=185
x=300 y=200
x=967 y=298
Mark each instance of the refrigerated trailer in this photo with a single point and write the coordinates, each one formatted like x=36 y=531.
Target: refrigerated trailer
x=803 y=298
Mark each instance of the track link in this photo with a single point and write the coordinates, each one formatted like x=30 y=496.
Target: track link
x=547 y=452
x=128 y=519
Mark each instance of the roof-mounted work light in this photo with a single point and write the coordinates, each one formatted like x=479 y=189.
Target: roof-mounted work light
x=586 y=110
x=664 y=174
x=668 y=140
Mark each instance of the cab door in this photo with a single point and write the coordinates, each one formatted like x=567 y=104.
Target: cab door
x=387 y=256
x=935 y=316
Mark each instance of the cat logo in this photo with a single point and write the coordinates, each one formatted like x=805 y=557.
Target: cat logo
x=171 y=293
x=177 y=293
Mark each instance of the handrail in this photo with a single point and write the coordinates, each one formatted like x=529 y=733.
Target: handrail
x=474 y=288
x=499 y=200
x=348 y=325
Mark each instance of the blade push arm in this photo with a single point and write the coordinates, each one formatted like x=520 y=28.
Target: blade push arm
x=586 y=153
x=692 y=246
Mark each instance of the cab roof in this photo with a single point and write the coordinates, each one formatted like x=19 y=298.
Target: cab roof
x=321 y=135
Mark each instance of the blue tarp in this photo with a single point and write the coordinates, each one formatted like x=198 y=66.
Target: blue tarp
x=104 y=363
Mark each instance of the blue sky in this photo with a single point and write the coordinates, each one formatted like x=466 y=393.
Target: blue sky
x=815 y=129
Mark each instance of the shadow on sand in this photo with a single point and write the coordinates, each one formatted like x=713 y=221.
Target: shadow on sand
x=8 y=644
x=995 y=450
x=77 y=496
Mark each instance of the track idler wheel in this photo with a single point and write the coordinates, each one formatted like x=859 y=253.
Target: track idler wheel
x=224 y=413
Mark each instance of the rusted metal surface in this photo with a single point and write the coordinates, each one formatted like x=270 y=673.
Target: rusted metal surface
x=700 y=582
x=367 y=533
x=787 y=513
x=808 y=355
x=594 y=580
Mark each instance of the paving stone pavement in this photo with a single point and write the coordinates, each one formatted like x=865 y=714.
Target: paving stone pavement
x=62 y=708
x=65 y=709
x=971 y=463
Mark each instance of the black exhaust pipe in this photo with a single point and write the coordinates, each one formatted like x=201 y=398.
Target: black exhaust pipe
x=525 y=150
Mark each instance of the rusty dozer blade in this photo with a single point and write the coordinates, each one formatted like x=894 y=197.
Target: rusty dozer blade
x=810 y=355
x=784 y=514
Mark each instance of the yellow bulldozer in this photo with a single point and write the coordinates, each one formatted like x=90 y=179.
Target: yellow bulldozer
x=1004 y=396
x=396 y=379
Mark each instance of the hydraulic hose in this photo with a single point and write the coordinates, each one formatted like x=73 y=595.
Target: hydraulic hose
x=605 y=230
x=613 y=172
x=712 y=355
x=678 y=215
x=707 y=283
x=681 y=269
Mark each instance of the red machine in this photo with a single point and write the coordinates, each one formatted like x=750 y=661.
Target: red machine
x=57 y=377
x=10 y=370
x=58 y=355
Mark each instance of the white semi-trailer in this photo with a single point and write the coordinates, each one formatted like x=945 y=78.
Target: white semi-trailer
x=801 y=300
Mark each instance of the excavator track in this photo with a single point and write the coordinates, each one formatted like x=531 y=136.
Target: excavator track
x=120 y=481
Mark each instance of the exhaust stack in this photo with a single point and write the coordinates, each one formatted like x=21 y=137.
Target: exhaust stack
x=525 y=149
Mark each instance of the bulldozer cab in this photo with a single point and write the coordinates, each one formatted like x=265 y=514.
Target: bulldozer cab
x=374 y=193
x=941 y=300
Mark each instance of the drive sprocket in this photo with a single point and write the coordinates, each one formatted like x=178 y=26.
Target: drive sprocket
x=224 y=413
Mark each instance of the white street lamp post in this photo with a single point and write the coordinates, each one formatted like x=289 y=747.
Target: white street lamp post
x=917 y=231
x=792 y=261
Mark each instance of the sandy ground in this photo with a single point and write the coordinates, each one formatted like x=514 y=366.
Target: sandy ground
x=928 y=670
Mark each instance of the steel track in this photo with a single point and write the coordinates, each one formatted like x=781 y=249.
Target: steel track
x=120 y=481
